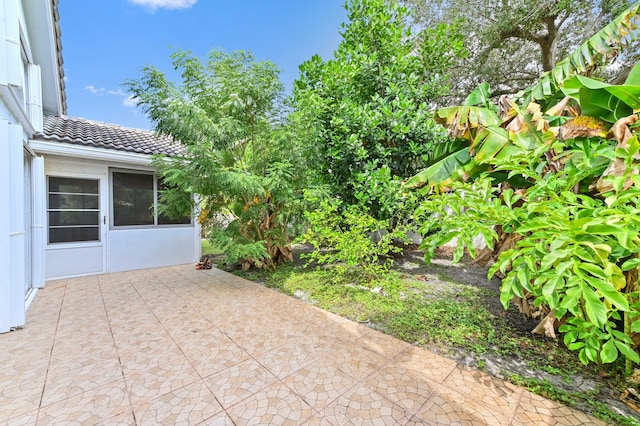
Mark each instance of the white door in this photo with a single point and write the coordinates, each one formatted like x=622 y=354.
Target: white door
x=75 y=226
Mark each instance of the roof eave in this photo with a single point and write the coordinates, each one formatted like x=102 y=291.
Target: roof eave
x=44 y=147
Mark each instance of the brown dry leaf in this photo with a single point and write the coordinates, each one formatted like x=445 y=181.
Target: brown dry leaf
x=582 y=126
x=547 y=325
x=635 y=377
x=630 y=398
x=621 y=132
x=560 y=108
x=537 y=119
x=505 y=108
x=616 y=168
x=484 y=256
x=523 y=305
x=517 y=125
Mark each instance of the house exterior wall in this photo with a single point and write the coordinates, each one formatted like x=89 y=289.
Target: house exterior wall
x=120 y=248
x=20 y=116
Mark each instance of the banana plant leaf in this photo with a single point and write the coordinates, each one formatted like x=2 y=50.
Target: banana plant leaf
x=464 y=121
x=481 y=96
x=490 y=142
x=602 y=100
x=633 y=79
x=441 y=170
x=609 y=41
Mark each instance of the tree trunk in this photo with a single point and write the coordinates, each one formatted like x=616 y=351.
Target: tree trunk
x=548 y=44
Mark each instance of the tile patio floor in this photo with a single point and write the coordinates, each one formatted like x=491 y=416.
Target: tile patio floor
x=179 y=346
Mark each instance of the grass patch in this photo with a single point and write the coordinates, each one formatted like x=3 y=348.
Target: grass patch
x=209 y=249
x=417 y=311
x=573 y=399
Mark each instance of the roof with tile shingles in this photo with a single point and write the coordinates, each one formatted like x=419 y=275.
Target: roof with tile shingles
x=85 y=132
x=58 y=35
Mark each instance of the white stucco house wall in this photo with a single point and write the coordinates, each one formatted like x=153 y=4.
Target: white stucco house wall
x=76 y=195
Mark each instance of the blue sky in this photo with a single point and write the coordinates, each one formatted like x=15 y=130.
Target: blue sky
x=105 y=42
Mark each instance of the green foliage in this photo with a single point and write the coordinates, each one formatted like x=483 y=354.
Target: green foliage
x=511 y=52
x=594 y=53
x=467 y=212
x=369 y=106
x=556 y=197
x=208 y=248
x=236 y=248
x=456 y=320
x=570 y=253
x=351 y=240
x=235 y=157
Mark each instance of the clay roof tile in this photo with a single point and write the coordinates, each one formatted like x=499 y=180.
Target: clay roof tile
x=85 y=132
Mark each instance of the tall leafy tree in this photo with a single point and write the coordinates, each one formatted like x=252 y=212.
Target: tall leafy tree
x=236 y=158
x=512 y=42
x=365 y=114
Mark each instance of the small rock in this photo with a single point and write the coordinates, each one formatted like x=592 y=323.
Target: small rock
x=301 y=295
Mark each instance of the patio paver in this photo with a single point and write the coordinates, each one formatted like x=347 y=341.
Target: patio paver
x=180 y=346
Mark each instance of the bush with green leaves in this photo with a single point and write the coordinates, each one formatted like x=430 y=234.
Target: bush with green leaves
x=351 y=240
x=369 y=107
x=570 y=254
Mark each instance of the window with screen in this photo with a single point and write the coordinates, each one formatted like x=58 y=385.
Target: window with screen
x=73 y=209
x=135 y=198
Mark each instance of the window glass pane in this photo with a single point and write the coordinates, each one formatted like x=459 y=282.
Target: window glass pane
x=72 y=218
x=132 y=199
x=73 y=185
x=73 y=201
x=68 y=235
x=166 y=220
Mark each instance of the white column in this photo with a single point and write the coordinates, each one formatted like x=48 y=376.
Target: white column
x=5 y=246
x=34 y=102
x=17 y=225
x=39 y=223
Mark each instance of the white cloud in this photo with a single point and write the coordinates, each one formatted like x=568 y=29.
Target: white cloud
x=130 y=102
x=94 y=90
x=164 y=4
